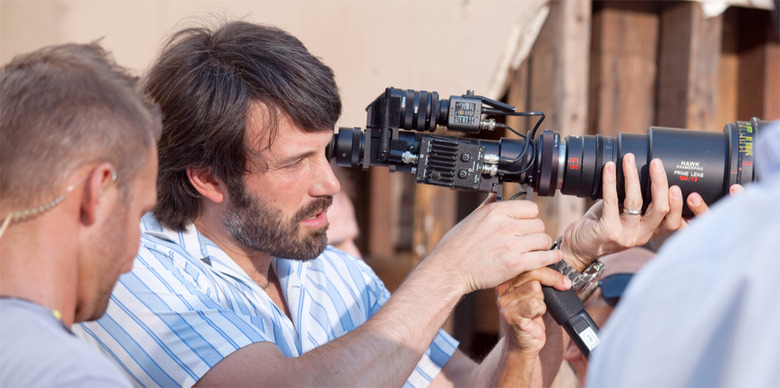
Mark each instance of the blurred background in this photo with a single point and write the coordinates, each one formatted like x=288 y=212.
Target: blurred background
x=591 y=66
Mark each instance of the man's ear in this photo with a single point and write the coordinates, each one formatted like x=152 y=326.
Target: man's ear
x=206 y=184
x=98 y=181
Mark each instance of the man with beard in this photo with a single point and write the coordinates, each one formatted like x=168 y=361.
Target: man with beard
x=78 y=157
x=235 y=284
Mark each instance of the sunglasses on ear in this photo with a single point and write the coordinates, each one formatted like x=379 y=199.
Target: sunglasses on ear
x=612 y=288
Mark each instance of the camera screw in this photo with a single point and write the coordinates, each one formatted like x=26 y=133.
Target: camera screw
x=462 y=174
x=436 y=175
x=465 y=157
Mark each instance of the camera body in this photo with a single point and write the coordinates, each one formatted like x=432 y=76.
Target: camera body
x=395 y=136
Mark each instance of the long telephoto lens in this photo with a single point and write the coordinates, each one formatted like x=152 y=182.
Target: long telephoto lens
x=707 y=163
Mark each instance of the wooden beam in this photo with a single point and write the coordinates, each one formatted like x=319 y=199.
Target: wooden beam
x=759 y=67
x=434 y=215
x=688 y=74
x=623 y=67
x=380 y=242
x=558 y=81
x=728 y=70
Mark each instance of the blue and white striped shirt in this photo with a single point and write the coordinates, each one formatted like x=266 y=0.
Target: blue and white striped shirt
x=186 y=305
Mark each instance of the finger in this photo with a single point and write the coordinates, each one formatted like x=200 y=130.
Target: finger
x=525 y=300
x=735 y=189
x=526 y=306
x=659 y=188
x=520 y=209
x=529 y=261
x=609 y=210
x=545 y=276
x=530 y=241
x=633 y=199
x=674 y=219
x=696 y=204
x=553 y=278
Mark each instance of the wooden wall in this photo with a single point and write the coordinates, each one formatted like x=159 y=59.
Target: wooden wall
x=602 y=67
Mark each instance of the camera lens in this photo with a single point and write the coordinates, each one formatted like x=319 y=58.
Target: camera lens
x=415 y=110
x=707 y=163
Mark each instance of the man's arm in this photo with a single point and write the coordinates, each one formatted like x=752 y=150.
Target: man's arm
x=514 y=361
x=495 y=243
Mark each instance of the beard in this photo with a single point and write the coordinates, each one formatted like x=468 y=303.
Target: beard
x=114 y=257
x=258 y=226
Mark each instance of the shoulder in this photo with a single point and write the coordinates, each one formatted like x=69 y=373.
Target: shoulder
x=38 y=351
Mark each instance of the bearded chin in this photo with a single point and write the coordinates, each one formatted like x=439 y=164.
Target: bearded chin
x=259 y=227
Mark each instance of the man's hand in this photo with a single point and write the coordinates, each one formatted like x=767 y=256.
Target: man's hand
x=521 y=306
x=604 y=229
x=697 y=205
x=495 y=243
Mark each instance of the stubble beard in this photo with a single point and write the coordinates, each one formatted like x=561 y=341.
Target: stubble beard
x=115 y=238
x=258 y=226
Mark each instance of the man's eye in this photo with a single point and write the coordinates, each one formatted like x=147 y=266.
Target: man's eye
x=294 y=164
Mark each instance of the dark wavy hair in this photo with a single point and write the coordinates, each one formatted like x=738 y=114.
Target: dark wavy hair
x=205 y=81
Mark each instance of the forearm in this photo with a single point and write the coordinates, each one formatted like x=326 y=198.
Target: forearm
x=382 y=352
x=505 y=367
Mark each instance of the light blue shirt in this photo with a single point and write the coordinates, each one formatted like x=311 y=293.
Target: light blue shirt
x=36 y=350
x=186 y=305
x=705 y=311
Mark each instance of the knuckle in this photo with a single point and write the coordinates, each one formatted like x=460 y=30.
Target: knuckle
x=536 y=288
x=662 y=208
x=538 y=306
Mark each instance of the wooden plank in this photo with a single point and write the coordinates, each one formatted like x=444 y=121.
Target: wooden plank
x=623 y=67
x=688 y=74
x=435 y=210
x=728 y=72
x=434 y=215
x=558 y=86
x=380 y=243
x=759 y=61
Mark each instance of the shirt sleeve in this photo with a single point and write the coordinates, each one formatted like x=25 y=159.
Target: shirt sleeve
x=166 y=324
x=437 y=354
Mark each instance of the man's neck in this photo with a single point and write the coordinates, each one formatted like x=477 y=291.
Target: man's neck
x=39 y=264
x=257 y=265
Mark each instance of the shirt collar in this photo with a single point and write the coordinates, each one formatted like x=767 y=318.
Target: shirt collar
x=196 y=245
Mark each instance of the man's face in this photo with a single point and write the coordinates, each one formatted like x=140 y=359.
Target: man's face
x=117 y=244
x=281 y=210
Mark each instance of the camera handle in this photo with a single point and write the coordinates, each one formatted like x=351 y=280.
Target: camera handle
x=567 y=310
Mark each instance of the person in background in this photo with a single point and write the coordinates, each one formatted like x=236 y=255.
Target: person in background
x=343 y=228
x=234 y=283
x=601 y=299
x=79 y=162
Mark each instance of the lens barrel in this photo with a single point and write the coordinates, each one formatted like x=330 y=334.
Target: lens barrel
x=707 y=163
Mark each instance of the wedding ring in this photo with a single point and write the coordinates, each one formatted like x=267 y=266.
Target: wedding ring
x=632 y=212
